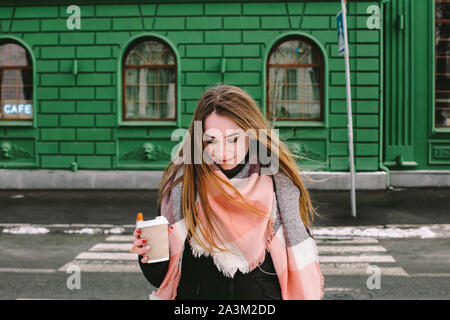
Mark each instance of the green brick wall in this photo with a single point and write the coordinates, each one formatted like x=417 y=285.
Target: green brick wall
x=76 y=116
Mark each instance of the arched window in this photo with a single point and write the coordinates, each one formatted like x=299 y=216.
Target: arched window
x=16 y=82
x=295 y=76
x=149 y=81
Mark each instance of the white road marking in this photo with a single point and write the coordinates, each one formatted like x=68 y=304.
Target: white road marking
x=337 y=257
x=26 y=270
x=119 y=238
x=340 y=289
x=345 y=265
x=98 y=266
x=106 y=256
x=350 y=256
x=346 y=269
x=47 y=299
x=38 y=299
x=439 y=275
x=110 y=256
x=350 y=249
x=111 y=247
x=360 y=258
x=346 y=241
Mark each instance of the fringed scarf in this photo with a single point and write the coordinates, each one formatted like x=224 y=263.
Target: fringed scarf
x=247 y=235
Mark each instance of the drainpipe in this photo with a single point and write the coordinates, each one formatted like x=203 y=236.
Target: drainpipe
x=381 y=165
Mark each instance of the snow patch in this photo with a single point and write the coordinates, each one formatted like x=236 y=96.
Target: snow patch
x=422 y=232
x=26 y=230
x=85 y=231
x=116 y=230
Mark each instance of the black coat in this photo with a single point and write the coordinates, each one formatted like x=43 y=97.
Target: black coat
x=200 y=278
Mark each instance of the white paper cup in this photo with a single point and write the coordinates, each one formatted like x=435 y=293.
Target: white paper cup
x=156 y=232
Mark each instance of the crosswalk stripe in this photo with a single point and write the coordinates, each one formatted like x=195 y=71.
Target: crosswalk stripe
x=346 y=241
x=439 y=275
x=360 y=258
x=350 y=256
x=352 y=249
x=111 y=247
x=95 y=266
x=340 y=289
x=344 y=265
x=26 y=270
x=120 y=238
x=106 y=256
x=384 y=271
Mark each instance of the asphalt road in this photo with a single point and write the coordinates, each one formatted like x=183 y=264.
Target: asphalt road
x=31 y=268
x=396 y=206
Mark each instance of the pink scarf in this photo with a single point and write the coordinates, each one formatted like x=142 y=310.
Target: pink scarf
x=248 y=235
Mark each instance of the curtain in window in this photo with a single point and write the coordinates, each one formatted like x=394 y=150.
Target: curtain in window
x=294 y=82
x=150 y=82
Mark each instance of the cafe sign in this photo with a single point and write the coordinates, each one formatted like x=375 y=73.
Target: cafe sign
x=13 y=109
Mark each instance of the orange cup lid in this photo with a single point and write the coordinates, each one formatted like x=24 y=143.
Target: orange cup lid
x=140 y=217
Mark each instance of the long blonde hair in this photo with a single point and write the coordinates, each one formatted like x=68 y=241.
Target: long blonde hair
x=231 y=101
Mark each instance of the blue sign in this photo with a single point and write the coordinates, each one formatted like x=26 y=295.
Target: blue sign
x=340 y=30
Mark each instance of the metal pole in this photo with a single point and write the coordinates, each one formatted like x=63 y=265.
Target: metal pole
x=349 y=109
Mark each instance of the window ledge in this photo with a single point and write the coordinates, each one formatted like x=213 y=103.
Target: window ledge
x=306 y=124
x=5 y=123
x=442 y=130
x=147 y=123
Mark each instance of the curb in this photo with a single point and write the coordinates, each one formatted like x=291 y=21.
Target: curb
x=19 y=179
x=41 y=179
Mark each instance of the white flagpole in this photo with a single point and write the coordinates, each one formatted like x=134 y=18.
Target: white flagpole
x=349 y=109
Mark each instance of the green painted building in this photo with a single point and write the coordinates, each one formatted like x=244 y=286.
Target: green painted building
x=104 y=85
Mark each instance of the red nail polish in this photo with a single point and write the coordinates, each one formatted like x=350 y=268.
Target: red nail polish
x=144 y=241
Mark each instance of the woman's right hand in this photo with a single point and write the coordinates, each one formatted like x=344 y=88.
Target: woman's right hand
x=142 y=246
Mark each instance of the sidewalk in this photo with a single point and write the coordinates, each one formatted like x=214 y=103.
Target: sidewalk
x=65 y=208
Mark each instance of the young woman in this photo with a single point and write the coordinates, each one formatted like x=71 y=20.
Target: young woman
x=240 y=218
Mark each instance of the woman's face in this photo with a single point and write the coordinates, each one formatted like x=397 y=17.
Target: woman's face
x=226 y=142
